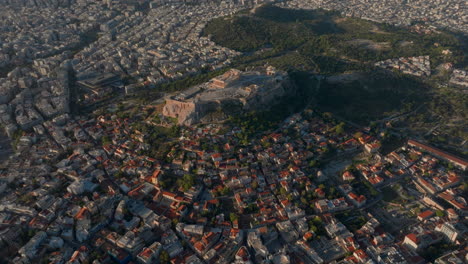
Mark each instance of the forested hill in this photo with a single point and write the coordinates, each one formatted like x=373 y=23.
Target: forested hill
x=344 y=50
x=322 y=37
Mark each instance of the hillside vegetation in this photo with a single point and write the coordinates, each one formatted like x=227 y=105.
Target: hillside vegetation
x=325 y=42
x=312 y=43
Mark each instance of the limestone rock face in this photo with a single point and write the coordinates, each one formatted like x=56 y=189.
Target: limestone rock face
x=183 y=111
x=229 y=93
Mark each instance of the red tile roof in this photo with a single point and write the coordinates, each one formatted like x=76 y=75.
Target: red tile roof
x=438 y=152
x=426 y=214
x=413 y=238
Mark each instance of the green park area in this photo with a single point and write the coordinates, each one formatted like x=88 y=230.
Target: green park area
x=331 y=59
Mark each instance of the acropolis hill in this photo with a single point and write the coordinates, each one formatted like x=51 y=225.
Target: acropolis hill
x=233 y=91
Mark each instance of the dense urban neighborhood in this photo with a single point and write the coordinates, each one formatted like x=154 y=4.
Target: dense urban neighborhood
x=129 y=135
x=438 y=13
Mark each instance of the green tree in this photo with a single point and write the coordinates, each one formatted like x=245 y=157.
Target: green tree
x=450 y=166
x=440 y=213
x=283 y=191
x=340 y=128
x=187 y=181
x=357 y=135
x=254 y=185
x=314 y=163
x=313 y=228
x=233 y=217
x=317 y=220
x=164 y=257
x=225 y=191
x=106 y=140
